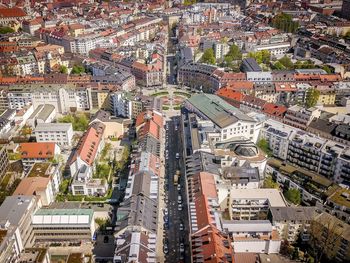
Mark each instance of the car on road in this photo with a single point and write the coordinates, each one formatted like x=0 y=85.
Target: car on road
x=181 y=227
x=179 y=207
x=166 y=218
x=182 y=248
x=179 y=187
x=179 y=199
x=166 y=212
x=165 y=247
x=105 y=239
x=177 y=155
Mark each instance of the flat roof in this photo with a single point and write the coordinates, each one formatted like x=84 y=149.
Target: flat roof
x=217 y=110
x=39 y=170
x=63 y=216
x=274 y=196
x=14 y=208
x=42 y=127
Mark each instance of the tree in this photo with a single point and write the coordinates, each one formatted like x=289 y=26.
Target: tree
x=6 y=30
x=325 y=234
x=285 y=248
x=279 y=66
x=63 y=69
x=208 y=56
x=293 y=195
x=262 y=56
x=327 y=69
x=270 y=183
x=189 y=2
x=234 y=53
x=285 y=23
x=263 y=144
x=286 y=62
x=295 y=253
x=78 y=69
x=312 y=96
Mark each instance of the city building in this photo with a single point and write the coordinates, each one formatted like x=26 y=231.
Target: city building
x=83 y=163
x=249 y=65
x=43 y=181
x=251 y=204
x=228 y=121
x=345 y=9
x=256 y=236
x=15 y=217
x=59 y=133
x=63 y=225
x=37 y=152
x=300 y=117
x=292 y=222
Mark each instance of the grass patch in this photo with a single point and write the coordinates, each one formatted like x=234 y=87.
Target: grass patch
x=79 y=121
x=71 y=197
x=184 y=94
x=165 y=108
x=177 y=107
x=162 y=93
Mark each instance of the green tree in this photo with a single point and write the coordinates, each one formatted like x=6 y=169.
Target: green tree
x=234 y=53
x=327 y=69
x=63 y=69
x=285 y=23
x=189 y=2
x=78 y=69
x=80 y=122
x=295 y=254
x=6 y=30
x=262 y=56
x=208 y=56
x=293 y=195
x=312 y=96
x=270 y=183
x=278 y=65
x=286 y=62
x=264 y=146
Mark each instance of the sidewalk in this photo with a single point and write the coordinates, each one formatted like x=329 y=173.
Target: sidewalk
x=161 y=203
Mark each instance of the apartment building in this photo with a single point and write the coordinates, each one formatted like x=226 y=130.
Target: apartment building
x=292 y=222
x=15 y=218
x=304 y=150
x=43 y=181
x=121 y=104
x=255 y=236
x=253 y=204
x=300 y=117
x=43 y=114
x=63 y=97
x=59 y=133
x=327 y=225
x=37 y=152
x=63 y=225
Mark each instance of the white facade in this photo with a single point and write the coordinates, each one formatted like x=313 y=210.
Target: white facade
x=255 y=236
x=121 y=105
x=277 y=135
x=60 y=133
x=259 y=77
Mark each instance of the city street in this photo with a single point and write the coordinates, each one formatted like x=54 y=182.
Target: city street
x=176 y=222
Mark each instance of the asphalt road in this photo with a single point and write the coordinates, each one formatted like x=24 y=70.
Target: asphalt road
x=173 y=235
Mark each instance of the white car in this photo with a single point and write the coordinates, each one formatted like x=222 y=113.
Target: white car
x=179 y=207
x=182 y=248
x=178 y=187
x=177 y=155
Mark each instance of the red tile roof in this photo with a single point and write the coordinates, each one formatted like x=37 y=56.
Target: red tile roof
x=12 y=12
x=274 y=110
x=285 y=87
x=89 y=143
x=240 y=85
x=34 y=150
x=213 y=246
x=230 y=94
